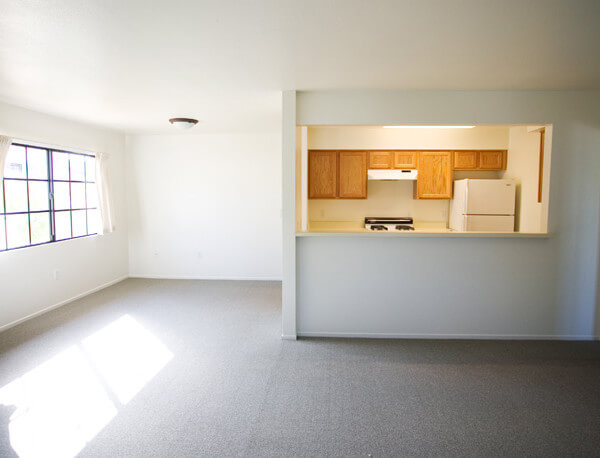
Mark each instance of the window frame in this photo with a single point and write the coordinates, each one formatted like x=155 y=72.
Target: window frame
x=51 y=201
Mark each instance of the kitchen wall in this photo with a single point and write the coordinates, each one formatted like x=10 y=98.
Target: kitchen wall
x=462 y=287
x=205 y=206
x=524 y=151
x=387 y=198
x=376 y=137
x=298 y=182
x=27 y=284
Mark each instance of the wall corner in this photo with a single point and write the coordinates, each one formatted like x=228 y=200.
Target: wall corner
x=288 y=292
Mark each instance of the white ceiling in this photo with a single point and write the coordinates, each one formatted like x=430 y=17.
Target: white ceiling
x=132 y=64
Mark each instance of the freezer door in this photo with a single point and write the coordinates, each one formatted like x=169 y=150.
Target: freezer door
x=490 y=197
x=489 y=223
x=458 y=222
x=458 y=206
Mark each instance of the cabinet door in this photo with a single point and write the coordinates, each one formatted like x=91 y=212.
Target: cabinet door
x=353 y=175
x=380 y=160
x=405 y=159
x=465 y=160
x=492 y=160
x=322 y=174
x=434 y=180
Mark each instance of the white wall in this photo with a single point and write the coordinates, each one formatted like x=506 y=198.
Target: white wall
x=472 y=287
x=289 y=145
x=27 y=282
x=205 y=206
x=395 y=198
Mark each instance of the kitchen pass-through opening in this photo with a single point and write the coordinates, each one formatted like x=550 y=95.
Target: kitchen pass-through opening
x=408 y=179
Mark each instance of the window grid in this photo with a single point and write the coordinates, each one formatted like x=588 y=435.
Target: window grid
x=28 y=203
x=51 y=194
x=51 y=201
x=70 y=196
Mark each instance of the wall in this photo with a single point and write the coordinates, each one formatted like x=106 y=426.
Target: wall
x=386 y=198
x=205 y=206
x=289 y=143
x=524 y=151
x=298 y=183
x=468 y=287
x=27 y=275
x=375 y=137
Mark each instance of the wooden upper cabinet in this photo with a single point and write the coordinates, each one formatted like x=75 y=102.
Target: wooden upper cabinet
x=492 y=160
x=479 y=160
x=333 y=174
x=322 y=174
x=466 y=160
x=434 y=179
x=380 y=160
x=393 y=160
x=352 y=175
x=405 y=159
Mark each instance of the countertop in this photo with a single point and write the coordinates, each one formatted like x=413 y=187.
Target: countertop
x=422 y=229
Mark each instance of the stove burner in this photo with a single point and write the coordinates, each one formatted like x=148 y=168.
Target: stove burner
x=378 y=227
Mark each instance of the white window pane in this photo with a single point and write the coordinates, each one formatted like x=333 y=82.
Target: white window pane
x=40 y=227
x=79 y=224
x=1 y=198
x=38 y=196
x=90 y=169
x=17 y=230
x=77 y=195
x=2 y=234
x=61 y=196
x=15 y=166
x=37 y=164
x=77 y=167
x=60 y=165
x=16 y=196
x=92 y=195
x=62 y=221
x=93 y=221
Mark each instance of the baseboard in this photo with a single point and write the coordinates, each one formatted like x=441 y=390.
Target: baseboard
x=60 y=304
x=370 y=335
x=288 y=337
x=193 y=277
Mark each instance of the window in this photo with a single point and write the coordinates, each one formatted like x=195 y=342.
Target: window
x=47 y=195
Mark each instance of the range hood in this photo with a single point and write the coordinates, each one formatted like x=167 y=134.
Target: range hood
x=391 y=175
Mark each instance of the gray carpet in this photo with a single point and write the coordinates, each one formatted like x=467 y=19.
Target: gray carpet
x=231 y=387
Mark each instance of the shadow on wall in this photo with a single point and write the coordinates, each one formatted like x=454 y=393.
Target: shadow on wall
x=518 y=205
x=597 y=323
x=5 y=448
x=579 y=306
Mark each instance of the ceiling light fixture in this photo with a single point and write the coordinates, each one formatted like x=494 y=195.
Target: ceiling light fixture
x=183 y=123
x=428 y=127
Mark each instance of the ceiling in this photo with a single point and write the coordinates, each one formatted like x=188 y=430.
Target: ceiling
x=132 y=64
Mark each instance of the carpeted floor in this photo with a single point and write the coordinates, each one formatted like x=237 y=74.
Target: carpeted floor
x=197 y=368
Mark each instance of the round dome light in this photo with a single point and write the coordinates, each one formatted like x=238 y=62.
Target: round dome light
x=183 y=123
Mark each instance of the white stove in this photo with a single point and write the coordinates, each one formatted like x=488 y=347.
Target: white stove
x=389 y=224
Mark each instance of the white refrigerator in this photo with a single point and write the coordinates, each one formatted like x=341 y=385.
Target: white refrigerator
x=483 y=206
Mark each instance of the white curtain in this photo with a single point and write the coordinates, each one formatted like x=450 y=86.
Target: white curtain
x=5 y=143
x=104 y=194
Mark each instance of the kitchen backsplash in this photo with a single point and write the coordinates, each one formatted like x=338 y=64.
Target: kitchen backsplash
x=386 y=198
